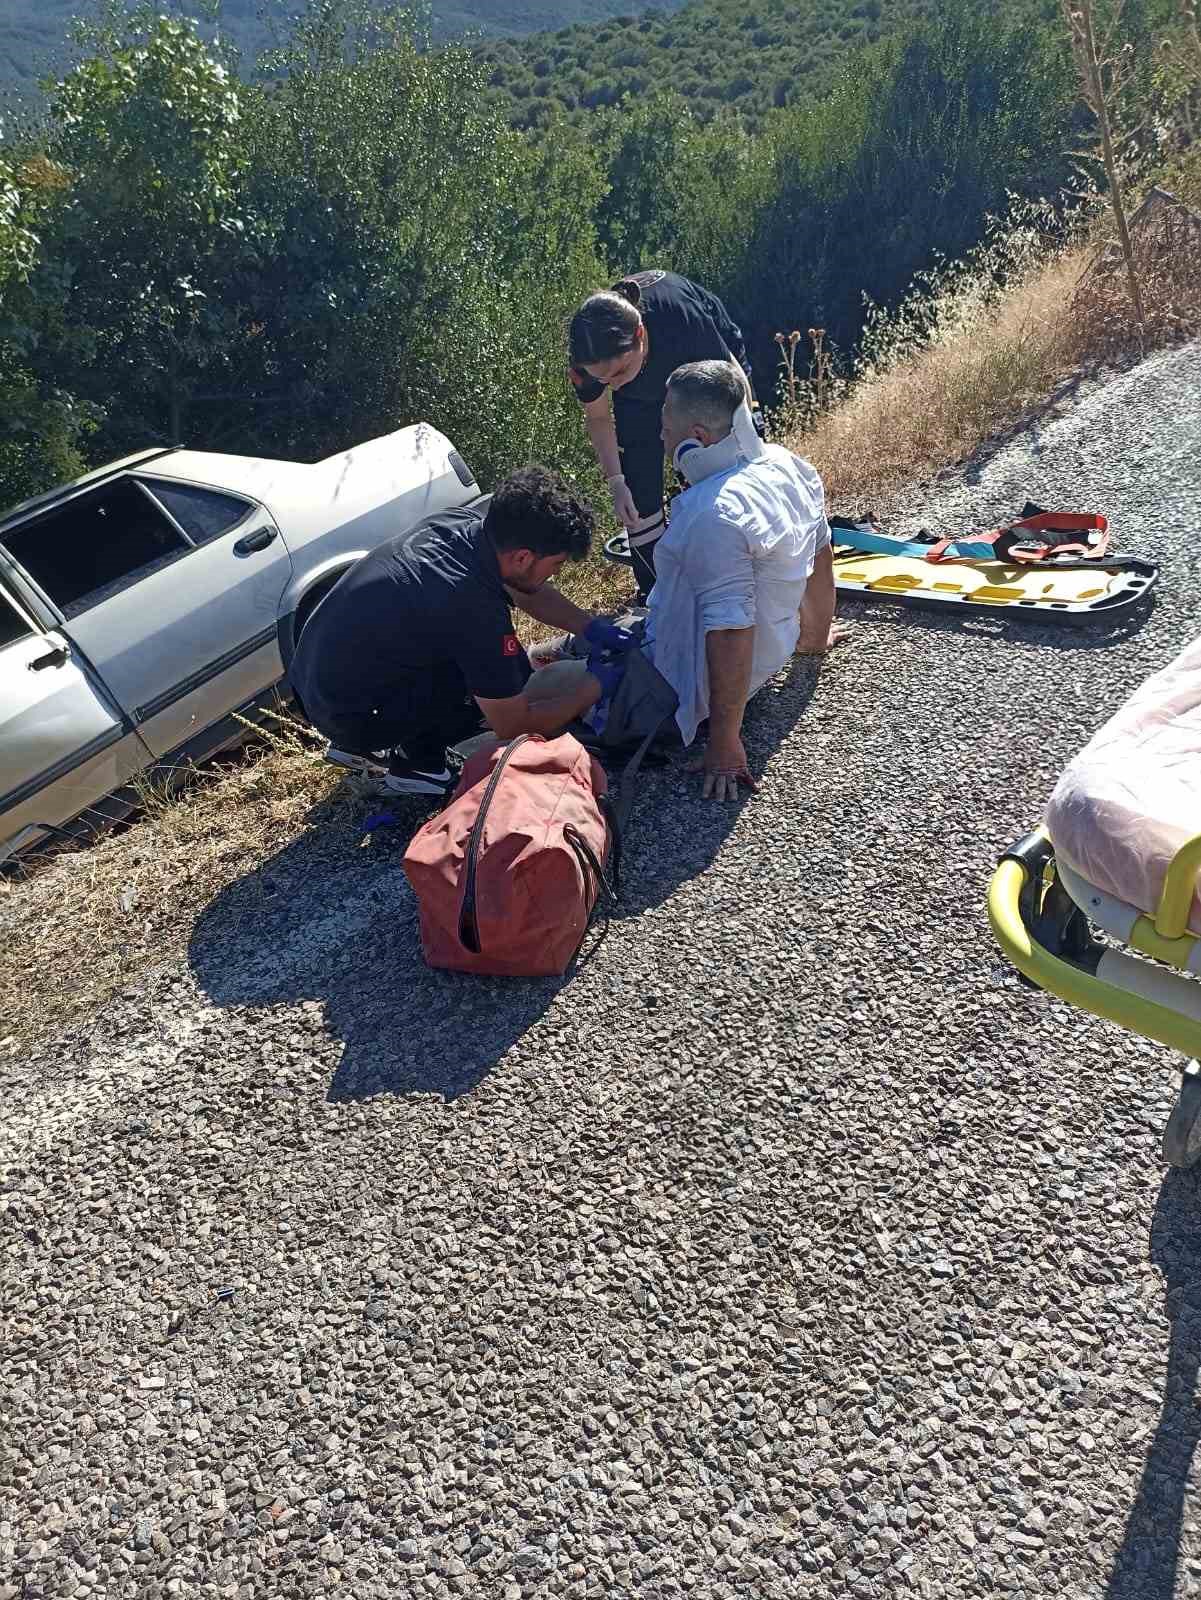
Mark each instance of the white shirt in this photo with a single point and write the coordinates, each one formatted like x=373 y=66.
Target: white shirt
x=737 y=553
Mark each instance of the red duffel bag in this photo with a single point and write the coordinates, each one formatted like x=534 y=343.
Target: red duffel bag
x=506 y=877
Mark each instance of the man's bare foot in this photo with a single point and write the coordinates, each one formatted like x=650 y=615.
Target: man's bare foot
x=838 y=633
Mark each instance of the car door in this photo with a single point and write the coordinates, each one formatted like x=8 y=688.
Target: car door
x=171 y=590
x=64 y=746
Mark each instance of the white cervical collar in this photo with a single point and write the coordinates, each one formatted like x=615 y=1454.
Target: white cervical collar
x=696 y=461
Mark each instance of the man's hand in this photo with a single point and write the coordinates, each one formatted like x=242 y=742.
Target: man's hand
x=725 y=767
x=820 y=629
x=624 y=508
x=608 y=674
x=603 y=635
x=837 y=633
x=729 y=653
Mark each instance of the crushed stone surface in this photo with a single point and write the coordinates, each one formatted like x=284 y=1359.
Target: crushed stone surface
x=789 y=1247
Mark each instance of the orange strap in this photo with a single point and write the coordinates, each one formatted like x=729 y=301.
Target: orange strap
x=1060 y=522
x=1044 y=522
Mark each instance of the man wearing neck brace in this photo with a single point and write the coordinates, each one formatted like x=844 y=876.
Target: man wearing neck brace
x=745 y=575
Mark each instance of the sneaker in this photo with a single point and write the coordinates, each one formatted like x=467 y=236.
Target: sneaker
x=372 y=765
x=402 y=777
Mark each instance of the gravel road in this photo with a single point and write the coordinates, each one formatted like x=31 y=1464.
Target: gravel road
x=789 y=1248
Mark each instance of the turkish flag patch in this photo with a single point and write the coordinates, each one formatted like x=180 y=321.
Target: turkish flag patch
x=510 y=645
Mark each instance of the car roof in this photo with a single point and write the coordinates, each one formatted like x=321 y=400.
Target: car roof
x=39 y=502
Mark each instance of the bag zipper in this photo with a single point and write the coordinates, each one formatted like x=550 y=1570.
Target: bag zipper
x=469 y=933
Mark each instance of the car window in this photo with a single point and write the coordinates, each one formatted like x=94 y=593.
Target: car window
x=203 y=514
x=13 y=625
x=96 y=546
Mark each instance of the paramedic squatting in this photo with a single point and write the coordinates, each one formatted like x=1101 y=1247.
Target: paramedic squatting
x=414 y=650
x=744 y=572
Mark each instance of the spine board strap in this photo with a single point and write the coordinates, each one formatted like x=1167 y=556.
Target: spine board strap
x=1004 y=544
x=1007 y=543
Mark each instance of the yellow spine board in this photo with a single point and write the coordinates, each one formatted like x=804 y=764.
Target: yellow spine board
x=991 y=583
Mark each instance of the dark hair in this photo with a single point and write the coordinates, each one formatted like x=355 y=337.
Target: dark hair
x=708 y=392
x=535 y=509
x=606 y=325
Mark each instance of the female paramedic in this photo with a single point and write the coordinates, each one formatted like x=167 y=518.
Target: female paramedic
x=630 y=340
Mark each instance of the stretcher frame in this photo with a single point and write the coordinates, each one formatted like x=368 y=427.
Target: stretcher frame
x=1043 y=915
x=1007 y=591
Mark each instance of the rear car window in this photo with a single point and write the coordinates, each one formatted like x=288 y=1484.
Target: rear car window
x=96 y=546
x=13 y=625
x=203 y=514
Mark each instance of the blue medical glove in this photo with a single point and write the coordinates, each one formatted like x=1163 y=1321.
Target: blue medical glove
x=608 y=674
x=603 y=635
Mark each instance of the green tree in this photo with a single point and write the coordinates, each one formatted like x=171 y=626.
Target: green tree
x=354 y=244
x=41 y=424
x=18 y=241
x=923 y=137
x=149 y=132
x=645 y=140
x=413 y=252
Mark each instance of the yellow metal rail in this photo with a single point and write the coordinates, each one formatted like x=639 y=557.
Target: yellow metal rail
x=1179 y=887
x=1081 y=988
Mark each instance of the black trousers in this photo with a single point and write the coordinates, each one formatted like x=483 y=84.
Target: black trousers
x=422 y=718
x=642 y=464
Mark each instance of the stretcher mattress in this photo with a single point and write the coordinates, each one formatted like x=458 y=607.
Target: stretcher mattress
x=1132 y=797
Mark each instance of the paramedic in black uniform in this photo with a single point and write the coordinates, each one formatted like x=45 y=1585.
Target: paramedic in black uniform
x=629 y=341
x=413 y=650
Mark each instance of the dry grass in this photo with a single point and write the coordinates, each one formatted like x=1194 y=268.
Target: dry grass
x=1167 y=259
x=983 y=370
x=595 y=584
x=80 y=926
x=931 y=401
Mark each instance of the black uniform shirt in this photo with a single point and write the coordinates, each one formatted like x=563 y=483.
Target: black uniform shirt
x=426 y=612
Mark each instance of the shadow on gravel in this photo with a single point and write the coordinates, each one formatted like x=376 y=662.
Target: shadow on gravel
x=675 y=834
x=1147 y=1563
x=331 y=919
x=1093 y=636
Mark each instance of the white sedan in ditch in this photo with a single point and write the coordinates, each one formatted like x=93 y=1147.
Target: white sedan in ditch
x=147 y=608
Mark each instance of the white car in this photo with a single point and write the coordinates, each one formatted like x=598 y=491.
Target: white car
x=144 y=605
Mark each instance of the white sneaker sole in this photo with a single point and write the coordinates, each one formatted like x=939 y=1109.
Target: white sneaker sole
x=367 y=765
x=417 y=784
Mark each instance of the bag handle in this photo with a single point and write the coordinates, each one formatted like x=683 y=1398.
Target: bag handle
x=589 y=863
x=586 y=856
x=609 y=811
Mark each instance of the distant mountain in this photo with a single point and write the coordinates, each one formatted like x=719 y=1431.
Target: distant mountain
x=500 y=17
x=33 y=33
x=749 y=54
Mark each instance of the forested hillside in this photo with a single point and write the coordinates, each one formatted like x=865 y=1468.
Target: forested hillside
x=285 y=267
x=33 y=32
x=750 y=54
